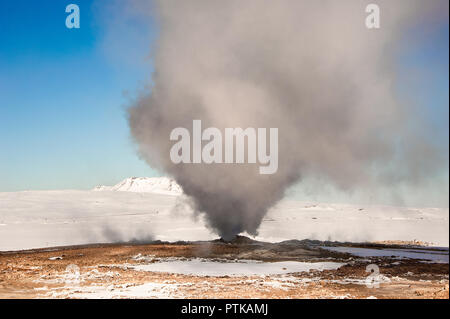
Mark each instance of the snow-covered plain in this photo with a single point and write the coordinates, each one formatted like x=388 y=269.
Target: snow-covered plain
x=139 y=210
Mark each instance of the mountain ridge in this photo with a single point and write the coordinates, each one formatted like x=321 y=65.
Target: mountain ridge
x=158 y=185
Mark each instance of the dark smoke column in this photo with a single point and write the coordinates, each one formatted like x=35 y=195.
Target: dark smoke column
x=309 y=68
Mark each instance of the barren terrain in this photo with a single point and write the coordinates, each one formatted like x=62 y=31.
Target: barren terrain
x=124 y=271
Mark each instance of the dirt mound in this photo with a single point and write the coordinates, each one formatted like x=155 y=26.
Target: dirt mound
x=238 y=240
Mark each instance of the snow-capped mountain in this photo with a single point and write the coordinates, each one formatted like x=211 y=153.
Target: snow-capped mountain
x=159 y=185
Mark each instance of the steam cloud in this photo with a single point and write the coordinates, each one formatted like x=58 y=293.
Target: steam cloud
x=309 y=68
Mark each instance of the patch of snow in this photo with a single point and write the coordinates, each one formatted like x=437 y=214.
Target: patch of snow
x=95 y=291
x=378 y=279
x=56 y=258
x=146 y=258
x=346 y=296
x=68 y=277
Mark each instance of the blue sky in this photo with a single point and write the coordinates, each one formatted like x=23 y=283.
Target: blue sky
x=63 y=92
x=63 y=98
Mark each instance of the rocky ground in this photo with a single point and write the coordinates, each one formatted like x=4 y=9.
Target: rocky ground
x=118 y=271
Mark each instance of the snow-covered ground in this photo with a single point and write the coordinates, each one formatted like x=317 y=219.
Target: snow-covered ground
x=142 y=211
x=147 y=290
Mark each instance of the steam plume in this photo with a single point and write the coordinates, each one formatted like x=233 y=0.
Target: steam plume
x=309 y=68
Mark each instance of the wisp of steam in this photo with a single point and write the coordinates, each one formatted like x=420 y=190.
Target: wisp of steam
x=309 y=68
